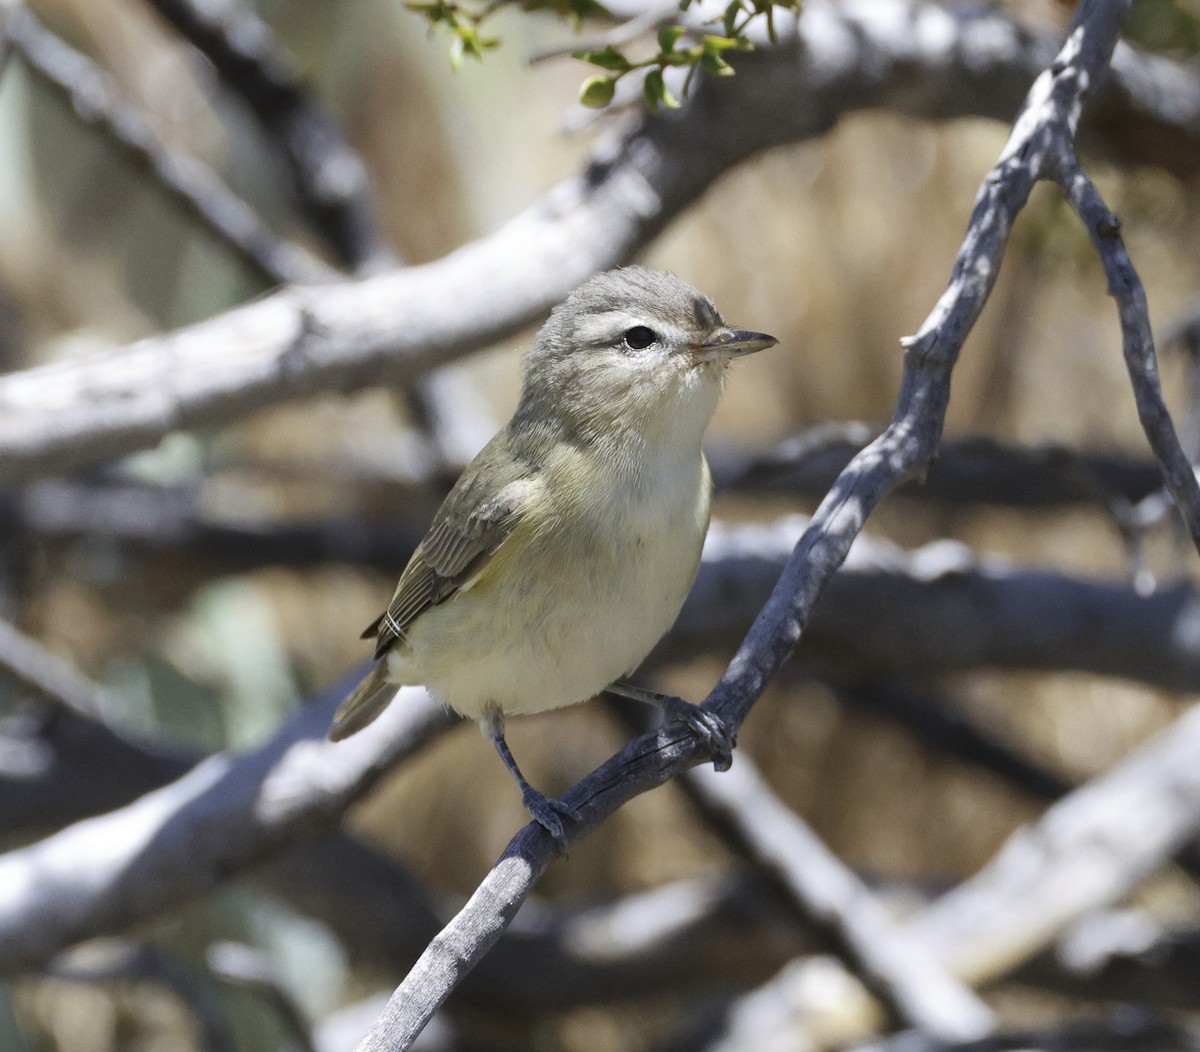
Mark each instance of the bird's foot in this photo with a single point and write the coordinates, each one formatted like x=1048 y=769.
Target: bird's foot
x=545 y=810
x=716 y=733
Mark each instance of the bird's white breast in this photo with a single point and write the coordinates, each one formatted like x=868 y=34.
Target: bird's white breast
x=579 y=603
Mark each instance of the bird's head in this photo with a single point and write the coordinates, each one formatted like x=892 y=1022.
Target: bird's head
x=631 y=348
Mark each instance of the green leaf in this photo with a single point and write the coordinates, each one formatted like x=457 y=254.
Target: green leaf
x=653 y=89
x=609 y=58
x=729 y=19
x=668 y=37
x=714 y=45
x=597 y=91
x=655 y=92
x=716 y=65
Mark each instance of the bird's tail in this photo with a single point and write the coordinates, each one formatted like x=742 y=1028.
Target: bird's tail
x=364 y=704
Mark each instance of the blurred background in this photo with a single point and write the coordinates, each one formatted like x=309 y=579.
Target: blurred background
x=839 y=246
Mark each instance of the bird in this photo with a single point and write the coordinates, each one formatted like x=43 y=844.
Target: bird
x=565 y=550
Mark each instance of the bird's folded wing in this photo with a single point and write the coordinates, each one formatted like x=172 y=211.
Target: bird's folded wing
x=457 y=547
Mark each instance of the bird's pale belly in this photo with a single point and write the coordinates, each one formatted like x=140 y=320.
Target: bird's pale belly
x=614 y=596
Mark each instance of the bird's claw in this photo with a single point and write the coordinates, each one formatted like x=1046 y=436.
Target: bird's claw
x=716 y=733
x=545 y=810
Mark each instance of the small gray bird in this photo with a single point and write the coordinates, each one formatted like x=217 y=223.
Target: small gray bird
x=567 y=547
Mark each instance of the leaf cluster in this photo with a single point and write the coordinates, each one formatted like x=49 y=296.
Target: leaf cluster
x=463 y=25
x=677 y=46
x=707 y=53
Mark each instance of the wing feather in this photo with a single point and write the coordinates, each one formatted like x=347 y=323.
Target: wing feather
x=467 y=531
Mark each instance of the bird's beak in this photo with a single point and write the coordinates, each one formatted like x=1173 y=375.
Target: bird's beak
x=725 y=344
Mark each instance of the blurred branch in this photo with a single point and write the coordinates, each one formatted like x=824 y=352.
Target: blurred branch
x=8 y=10
x=96 y=101
x=890 y=612
x=1086 y=852
x=965 y=471
x=910 y=979
x=756 y=825
x=58 y=767
x=1150 y=966
x=944 y=727
x=331 y=183
x=251 y=969
x=158 y=517
x=400 y=324
x=456 y=418
x=225 y=814
x=812 y=1000
x=1044 y=129
x=947 y=729
x=141 y=962
x=329 y=177
x=26 y=660
x=1126 y=1029
x=146 y=518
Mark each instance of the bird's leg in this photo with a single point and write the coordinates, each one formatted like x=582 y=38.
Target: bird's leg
x=719 y=737
x=544 y=809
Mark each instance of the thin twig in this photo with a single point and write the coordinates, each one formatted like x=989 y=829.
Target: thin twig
x=967 y=470
x=1126 y=288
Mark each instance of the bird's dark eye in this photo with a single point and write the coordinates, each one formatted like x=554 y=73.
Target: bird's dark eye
x=639 y=337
